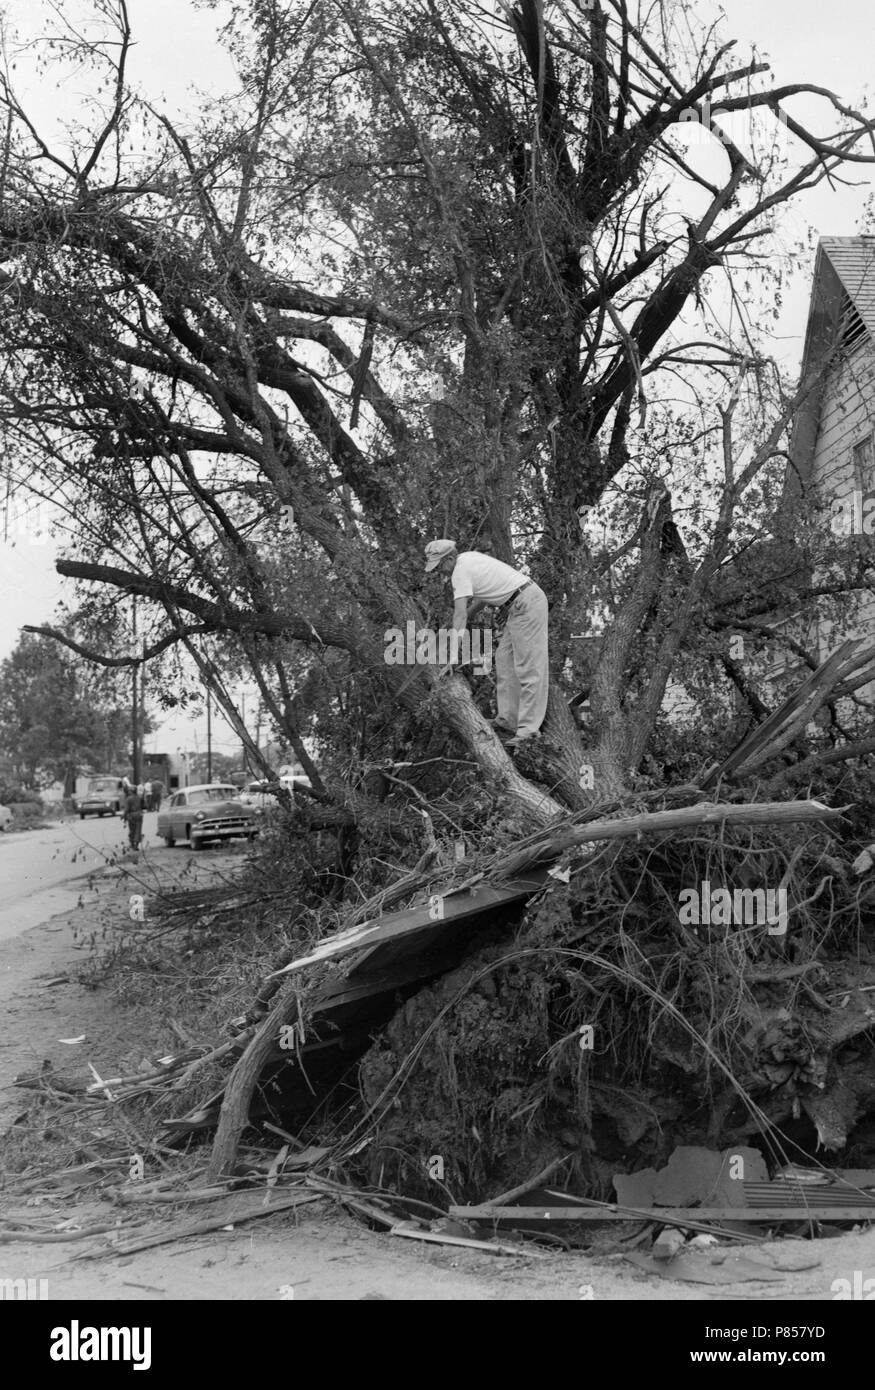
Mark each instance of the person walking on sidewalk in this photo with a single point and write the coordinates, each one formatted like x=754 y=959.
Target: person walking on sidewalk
x=134 y=817
x=522 y=674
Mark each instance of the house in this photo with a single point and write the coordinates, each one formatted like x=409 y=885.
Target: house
x=832 y=447
x=832 y=439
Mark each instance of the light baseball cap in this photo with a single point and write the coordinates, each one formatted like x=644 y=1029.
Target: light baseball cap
x=435 y=552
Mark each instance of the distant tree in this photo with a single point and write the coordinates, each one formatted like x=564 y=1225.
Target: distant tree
x=224 y=766
x=58 y=714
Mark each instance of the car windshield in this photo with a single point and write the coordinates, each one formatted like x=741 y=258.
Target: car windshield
x=102 y=784
x=211 y=794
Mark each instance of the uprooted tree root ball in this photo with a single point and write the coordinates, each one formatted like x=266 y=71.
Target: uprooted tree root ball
x=611 y=1031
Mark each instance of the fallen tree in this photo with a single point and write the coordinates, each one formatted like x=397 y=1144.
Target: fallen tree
x=254 y=441
x=451 y=903
x=252 y=437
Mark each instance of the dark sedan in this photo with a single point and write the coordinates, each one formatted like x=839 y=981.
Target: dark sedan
x=210 y=812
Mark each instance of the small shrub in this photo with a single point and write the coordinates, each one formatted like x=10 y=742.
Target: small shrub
x=12 y=795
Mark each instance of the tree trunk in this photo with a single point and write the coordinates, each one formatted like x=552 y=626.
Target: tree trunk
x=456 y=706
x=234 y=1116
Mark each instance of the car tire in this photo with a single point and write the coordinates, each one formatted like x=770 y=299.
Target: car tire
x=81 y=815
x=169 y=840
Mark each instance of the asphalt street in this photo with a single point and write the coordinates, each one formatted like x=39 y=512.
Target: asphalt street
x=39 y=868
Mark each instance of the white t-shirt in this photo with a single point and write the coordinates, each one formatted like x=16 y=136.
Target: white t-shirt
x=476 y=575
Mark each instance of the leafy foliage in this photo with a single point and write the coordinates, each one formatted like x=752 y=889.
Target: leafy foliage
x=57 y=715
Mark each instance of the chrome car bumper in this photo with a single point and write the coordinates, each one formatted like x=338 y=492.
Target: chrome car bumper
x=215 y=832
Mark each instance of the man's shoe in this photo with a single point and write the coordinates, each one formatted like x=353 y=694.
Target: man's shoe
x=520 y=740
x=501 y=728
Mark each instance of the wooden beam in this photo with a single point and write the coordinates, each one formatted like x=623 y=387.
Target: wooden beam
x=763 y=734
x=552 y=1215
x=492 y=1247
x=458 y=904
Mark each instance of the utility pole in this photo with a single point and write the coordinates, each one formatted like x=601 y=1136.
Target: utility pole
x=135 y=717
x=209 y=738
x=141 y=742
x=245 y=763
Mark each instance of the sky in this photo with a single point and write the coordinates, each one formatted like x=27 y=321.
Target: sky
x=177 y=48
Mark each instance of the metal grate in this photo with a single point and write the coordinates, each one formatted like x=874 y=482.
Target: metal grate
x=785 y=1193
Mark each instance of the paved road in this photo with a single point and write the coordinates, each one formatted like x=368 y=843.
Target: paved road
x=34 y=865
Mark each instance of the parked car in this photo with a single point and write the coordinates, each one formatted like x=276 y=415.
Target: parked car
x=291 y=773
x=103 y=798
x=212 y=811
x=5 y=818
x=261 y=796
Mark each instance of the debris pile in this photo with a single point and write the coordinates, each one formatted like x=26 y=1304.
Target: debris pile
x=554 y=1007
x=662 y=1009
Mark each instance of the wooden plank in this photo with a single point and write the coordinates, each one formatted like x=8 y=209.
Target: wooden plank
x=610 y=1213
x=493 y=1247
x=457 y=905
x=436 y=951
x=362 y=1001
x=216 y=1223
x=760 y=736
x=710 y=1228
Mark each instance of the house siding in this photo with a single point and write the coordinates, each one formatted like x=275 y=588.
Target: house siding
x=837 y=414
x=847 y=416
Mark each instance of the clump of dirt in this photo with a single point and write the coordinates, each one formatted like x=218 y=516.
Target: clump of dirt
x=479 y=1035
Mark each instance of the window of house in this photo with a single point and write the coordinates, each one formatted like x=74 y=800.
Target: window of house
x=864 y=464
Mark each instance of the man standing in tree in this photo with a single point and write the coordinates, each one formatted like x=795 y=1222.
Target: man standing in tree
x=522 y=674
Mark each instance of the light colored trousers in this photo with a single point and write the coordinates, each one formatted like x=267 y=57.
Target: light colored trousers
x=522 y=675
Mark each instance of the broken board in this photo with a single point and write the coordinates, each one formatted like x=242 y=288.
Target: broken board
x=396 y=956
x=420 y=921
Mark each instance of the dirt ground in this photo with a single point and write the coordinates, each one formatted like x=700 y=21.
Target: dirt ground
x=318 y=1252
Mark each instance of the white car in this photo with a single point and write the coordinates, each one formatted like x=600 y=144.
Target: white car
x=262 y=796
x=5 y=818
x=259 y=796
x=290 y=779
